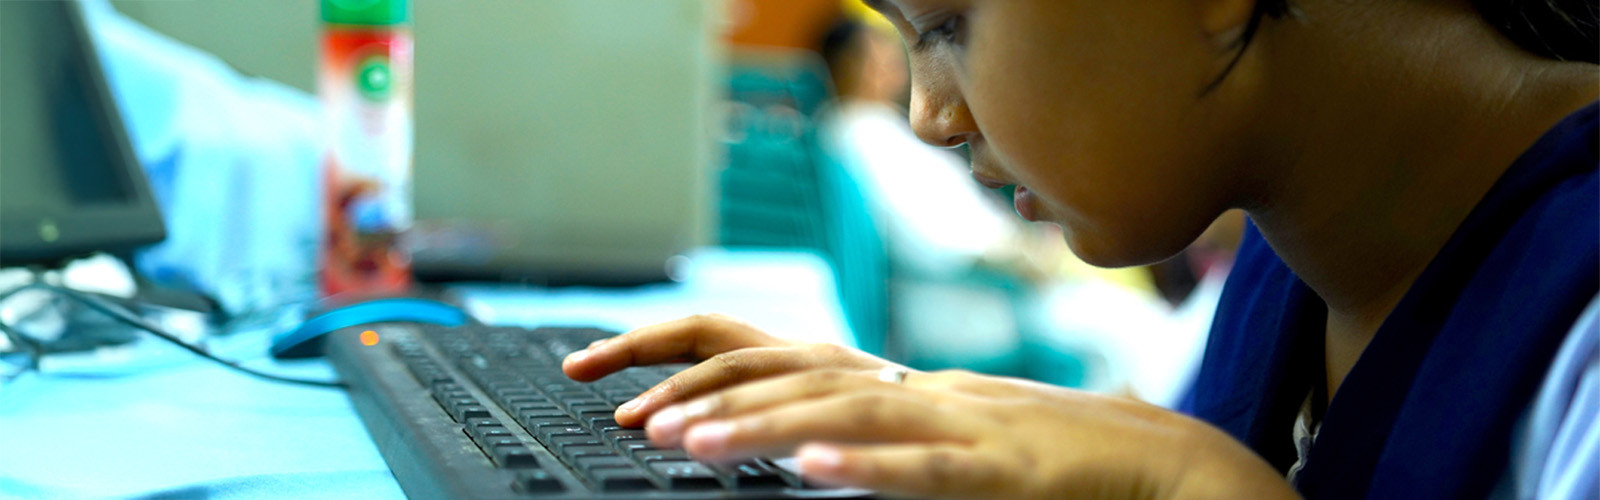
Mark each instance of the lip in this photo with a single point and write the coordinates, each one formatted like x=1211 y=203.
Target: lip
x=989 y=182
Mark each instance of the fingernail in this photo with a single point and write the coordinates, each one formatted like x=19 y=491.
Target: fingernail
x=666 y=425
x=576 y=357
x=631 y=406
x=697 y=409
x=709 y=438
x=818 y=459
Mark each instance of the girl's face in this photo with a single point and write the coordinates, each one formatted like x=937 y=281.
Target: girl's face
x=1097 y=110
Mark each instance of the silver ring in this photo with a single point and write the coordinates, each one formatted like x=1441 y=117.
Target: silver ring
x=893 y=374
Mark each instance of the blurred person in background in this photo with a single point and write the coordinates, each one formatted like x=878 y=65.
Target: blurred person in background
x=1412 y=313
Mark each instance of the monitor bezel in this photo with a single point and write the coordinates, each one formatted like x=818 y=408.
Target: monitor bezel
x=83 y=230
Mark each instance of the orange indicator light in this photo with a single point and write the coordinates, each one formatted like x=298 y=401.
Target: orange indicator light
x=369 y=337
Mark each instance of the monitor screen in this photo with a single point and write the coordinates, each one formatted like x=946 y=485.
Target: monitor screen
x=69 y=183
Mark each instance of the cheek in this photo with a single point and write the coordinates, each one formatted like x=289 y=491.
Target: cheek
x=1096 y=109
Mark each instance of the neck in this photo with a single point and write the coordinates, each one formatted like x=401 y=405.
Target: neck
x=1398 y=145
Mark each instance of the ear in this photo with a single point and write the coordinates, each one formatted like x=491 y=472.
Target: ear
x=1224 y=21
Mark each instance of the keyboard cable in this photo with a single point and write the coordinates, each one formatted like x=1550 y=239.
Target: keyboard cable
x=125 y=316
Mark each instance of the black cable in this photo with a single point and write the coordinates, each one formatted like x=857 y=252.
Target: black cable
x=130 y=319
x=30 y=348
x=12 y=292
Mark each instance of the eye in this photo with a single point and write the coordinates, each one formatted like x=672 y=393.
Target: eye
x=952 y=31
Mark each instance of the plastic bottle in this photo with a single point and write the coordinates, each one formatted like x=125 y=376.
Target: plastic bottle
x=364 y=81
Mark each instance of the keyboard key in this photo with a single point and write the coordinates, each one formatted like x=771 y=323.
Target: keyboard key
x=538 y=481
x=751 y=475
x=594 y=418
x=620 y=400
x=570 y=398
x=541 y=413
x=684 y=475
x=600 y=426
x=535 y=423
x=519 y=392
x=631 y=447
x=464 y=412
x=487 y=432
x=646 y=456
x=595 y=406
x=531 y=402
x=515 y=457
x=619 y=479
x=621 y=434
x=499 y=441
x=574 y=451
x=447 y=398
x=545 y=434
x=591 y=462
x=574 y=439
x=486 y=427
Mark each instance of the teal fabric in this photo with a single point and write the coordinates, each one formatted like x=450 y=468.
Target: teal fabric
x=780 y=189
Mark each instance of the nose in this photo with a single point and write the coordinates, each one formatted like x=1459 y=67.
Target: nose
x=939 y=114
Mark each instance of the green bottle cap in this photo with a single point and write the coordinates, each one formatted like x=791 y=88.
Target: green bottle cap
x=366 y=12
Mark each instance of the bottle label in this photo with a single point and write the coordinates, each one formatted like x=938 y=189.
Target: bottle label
x=365 y=86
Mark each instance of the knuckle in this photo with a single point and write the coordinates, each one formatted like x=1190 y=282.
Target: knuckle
x=826 y=378
x=958 y=374
x=826 y=350
x=671 y=388
x=953 y=379
x=868 y=411
x=940 y=468
x=733 y=364
x=705 y=319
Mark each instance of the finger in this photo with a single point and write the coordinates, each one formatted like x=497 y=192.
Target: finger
x=667 y=426
x=966 y=382
x=697 y=337
x=912 y=470
x=866 y=417
x=721 y=371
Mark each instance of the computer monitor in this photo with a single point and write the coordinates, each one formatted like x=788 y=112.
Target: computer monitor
x=563 y=141
x=69 y=181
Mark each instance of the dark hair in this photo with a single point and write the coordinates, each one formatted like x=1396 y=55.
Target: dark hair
x=1558 y=29
x=836 y=43
x=1565 y=30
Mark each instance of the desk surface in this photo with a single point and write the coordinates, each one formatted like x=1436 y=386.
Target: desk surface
x=187 y=428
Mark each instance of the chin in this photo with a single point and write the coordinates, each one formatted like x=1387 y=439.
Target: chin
x=1121 y=250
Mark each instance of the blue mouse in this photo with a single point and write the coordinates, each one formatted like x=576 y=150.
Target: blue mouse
x=306 y=340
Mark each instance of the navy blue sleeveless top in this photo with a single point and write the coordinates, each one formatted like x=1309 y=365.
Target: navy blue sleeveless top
x=1428 y=409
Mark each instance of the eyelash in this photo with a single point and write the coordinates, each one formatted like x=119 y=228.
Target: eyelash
x=951 y=31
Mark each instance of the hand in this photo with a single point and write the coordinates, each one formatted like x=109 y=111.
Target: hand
x=960 y=435
x=735 y=353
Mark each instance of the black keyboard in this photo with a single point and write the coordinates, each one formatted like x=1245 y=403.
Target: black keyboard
x=485 y=412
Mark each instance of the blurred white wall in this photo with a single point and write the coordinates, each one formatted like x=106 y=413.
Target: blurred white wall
x=276 y=39
x=593 y=114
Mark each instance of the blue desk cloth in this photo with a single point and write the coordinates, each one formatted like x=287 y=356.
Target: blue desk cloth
x=176 y=426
